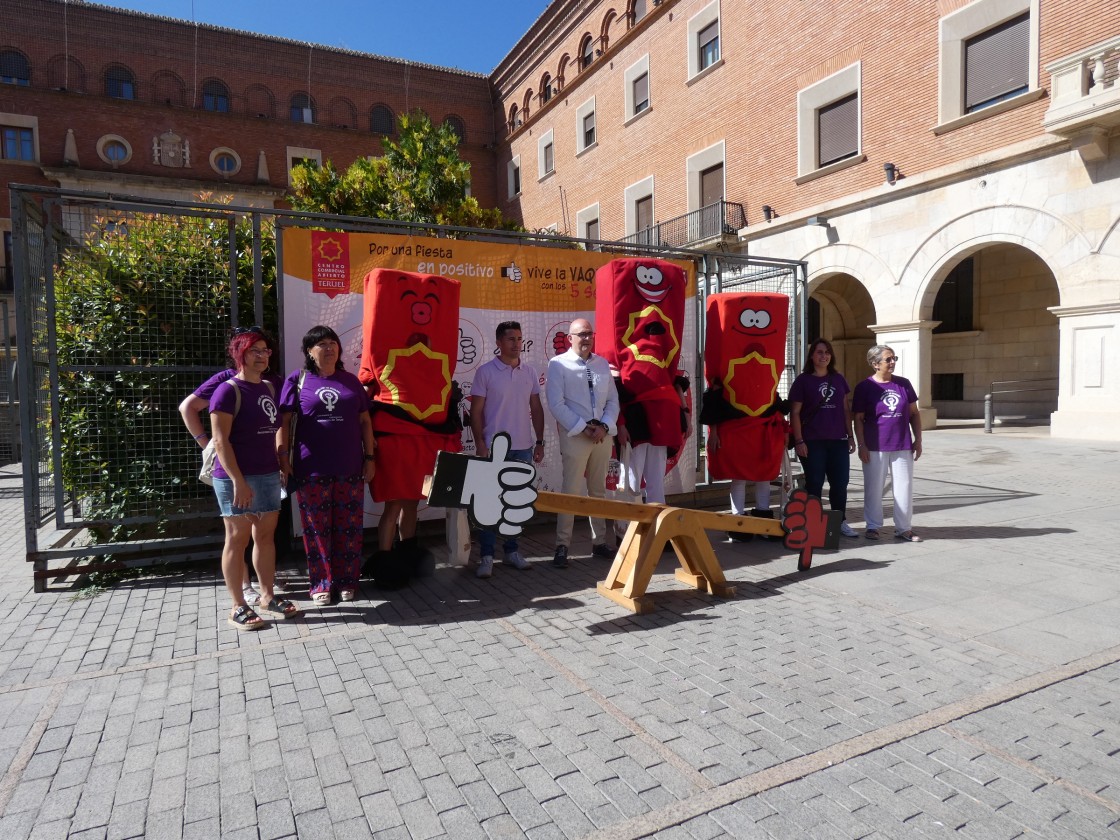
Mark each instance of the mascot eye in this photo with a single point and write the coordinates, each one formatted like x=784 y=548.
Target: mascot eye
x=649 y=276
x=755 y=319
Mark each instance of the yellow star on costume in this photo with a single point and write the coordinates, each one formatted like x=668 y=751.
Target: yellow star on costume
x=747 y=382
x=416 y=373
x=632 y=346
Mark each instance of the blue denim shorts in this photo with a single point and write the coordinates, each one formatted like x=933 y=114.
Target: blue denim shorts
x=266 y=494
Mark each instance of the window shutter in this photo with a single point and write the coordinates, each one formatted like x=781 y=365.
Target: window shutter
x=838 y=130
x=997 y=63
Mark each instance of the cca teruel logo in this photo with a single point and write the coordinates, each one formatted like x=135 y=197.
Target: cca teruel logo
x=330 y=263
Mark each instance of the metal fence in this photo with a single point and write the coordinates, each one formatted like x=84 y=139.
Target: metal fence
x=124 y=306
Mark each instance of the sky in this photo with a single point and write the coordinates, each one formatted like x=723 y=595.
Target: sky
x=469 y=34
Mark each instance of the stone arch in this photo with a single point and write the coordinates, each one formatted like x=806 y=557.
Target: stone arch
x=526 y=103
x=260 y=102
x=561 y=69
x=605 y=30
x=1051 y=239
x=168 y=89
x=342 y=113
x=64 y=72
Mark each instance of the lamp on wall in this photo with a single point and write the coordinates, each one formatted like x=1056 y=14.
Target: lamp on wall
x=817 y=221
x=892 y=172
x=768 y=212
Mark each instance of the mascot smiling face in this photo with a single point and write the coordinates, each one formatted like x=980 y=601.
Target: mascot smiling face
x=410 y=338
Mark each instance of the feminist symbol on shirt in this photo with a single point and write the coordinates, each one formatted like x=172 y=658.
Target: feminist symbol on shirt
x=827 y=392
x=891 y=399
x=269 y=408
x=329 y=397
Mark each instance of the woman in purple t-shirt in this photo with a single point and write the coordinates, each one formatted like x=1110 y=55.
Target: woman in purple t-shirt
x=821 y=422
x=332 y=462
x=244 y=419
x=885 y=411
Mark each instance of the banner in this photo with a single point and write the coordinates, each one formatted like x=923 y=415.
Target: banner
x=542 y=288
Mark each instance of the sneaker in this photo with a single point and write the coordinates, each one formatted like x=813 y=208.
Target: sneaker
x=603 y=551
x=485 y=567
x=560 y=558
x=847 y=530
x=514 y=558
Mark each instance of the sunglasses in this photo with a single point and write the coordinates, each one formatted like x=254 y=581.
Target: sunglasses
x=243 y=330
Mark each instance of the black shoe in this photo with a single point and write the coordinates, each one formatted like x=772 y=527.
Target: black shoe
x=759 y=513
x=603 y=550
x=739 y=536
x=560 y=558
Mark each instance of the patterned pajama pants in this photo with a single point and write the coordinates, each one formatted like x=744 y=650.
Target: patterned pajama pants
x=330 y=509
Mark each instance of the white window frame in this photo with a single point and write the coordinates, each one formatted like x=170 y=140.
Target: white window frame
x=809 y=101
x=586 y=215
x=956 y=28
x=105 y=140
x=696 y=24
x=545 y=140
x=301 y=154
x=701 y=162
x=23 y=121
x=224 y=150
x=633 y=72
x=582 y=112
x=631 y=196
x=514 y=177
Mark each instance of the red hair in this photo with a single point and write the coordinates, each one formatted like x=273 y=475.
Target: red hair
x=239 y=345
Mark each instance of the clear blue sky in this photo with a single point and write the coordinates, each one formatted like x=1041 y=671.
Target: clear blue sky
x=469 y=34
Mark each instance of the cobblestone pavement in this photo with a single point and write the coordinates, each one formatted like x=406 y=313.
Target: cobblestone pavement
x=967 y=686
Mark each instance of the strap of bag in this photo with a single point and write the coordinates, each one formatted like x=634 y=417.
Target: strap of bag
x=295 y=419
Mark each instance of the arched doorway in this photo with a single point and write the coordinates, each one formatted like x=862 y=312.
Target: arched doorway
x=995 y=327
x=840 y=310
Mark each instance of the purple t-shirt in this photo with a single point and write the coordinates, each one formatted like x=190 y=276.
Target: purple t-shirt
x=885 y=407
x=206 y=390
x=253 y=433
x=329 y=430
x=822 y=405
x=506 y=391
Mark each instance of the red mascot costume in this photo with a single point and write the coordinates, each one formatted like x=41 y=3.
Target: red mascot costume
x=639 y=323
x=744 y=357
x=410 y=341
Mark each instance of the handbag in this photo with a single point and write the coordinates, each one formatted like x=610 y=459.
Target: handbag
x=209 y=453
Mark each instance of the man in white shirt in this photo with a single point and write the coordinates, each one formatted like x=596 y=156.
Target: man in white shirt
x=582 y=397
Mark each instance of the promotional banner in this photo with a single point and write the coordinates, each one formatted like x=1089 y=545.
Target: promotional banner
x=542 y=288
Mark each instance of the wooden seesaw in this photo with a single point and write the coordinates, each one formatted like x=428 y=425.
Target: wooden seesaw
x=651 y=527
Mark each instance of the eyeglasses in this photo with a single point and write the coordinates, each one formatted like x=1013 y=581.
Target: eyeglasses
x=889 y=361
x=253 y=351
x=582 y=334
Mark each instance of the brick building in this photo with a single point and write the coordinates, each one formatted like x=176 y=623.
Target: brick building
x=949 y=170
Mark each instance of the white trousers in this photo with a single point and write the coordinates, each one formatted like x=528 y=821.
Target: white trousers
x=900 y=466
x=648 y=461
x=580 y=457
x=739 y=495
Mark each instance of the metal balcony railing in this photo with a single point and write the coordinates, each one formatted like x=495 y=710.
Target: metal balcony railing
x=724 y=218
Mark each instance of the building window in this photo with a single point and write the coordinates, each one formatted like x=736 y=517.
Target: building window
x=119 y=83
x=706 y=185
x=586 y=51
x=114 y=150
x=838 y=130
x=301 y=109
x=514 y=118
x=225 y=161
x=215 y=96
x=546 y=155
x=297 y=155
x=988 y=55
x=18 y=143
x=638 y=11
x=585 y=126
x=587 y=224
x=708 y=45
x=546 y=88
x=947 y=386
x=641 y=93
x=381 y=120
x=953 y=304
x=828 y=121
x=996 y=64
x=513 y=177
x=638 y=201
x=14 y=68
x=637 y=92
x=456 y=126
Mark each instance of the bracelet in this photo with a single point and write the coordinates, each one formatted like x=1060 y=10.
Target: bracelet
x=200 y=435
x=540 y=443
x=798 y=442
x=367 y=457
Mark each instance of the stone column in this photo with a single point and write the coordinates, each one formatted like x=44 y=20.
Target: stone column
x=1088 y=372
x=912 y=342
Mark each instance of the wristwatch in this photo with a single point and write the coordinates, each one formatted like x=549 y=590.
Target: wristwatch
x=540 y=443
